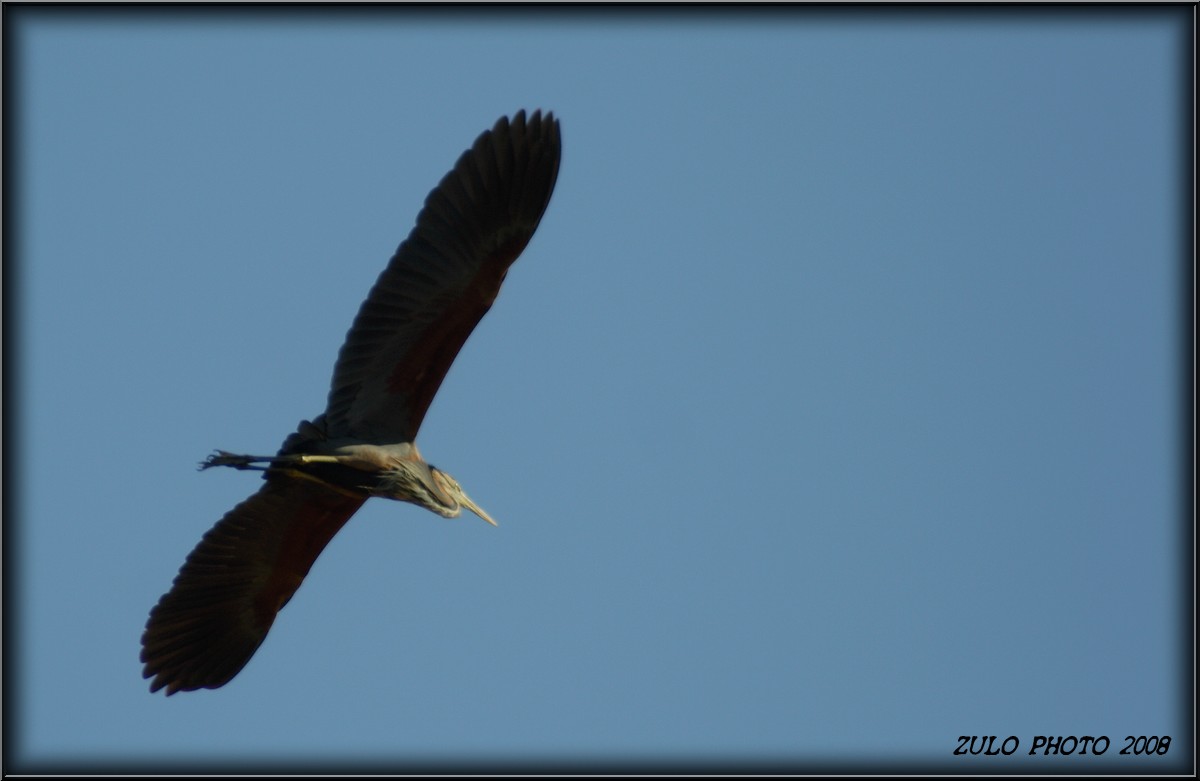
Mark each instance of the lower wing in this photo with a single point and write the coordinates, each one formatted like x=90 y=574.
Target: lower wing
x=245 y=569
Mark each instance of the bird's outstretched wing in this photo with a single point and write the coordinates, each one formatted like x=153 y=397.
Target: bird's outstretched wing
x=442 y=280
x=244 y=570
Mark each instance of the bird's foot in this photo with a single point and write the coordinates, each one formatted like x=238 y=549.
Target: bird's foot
x=225 y=458
x=237 y=461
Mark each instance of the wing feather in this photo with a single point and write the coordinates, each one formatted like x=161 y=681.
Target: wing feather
x=244 y=570
x=442 y=280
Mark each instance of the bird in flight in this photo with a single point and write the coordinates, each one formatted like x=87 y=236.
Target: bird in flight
x=441 y=281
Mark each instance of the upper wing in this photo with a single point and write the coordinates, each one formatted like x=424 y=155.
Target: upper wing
x=245 y=569
x=442 y=280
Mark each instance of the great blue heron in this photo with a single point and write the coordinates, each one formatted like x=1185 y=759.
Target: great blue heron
x=441 y=281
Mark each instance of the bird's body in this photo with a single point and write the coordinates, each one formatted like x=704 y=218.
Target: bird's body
x=440 y=282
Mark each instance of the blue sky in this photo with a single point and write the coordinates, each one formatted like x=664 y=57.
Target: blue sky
x=831 y=414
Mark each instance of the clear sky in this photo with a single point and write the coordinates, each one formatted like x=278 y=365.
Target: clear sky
x=832 y=413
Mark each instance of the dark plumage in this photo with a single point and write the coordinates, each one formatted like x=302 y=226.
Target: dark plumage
x=441 y=281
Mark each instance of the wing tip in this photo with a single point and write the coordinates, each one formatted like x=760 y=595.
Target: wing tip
x=537 y=124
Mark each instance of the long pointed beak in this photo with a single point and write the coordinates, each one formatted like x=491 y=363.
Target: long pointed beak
x=465 y=501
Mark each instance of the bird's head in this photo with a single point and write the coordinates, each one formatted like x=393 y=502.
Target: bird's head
x=458 y=497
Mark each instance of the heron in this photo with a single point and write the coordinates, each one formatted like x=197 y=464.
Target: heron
x=435 y=289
